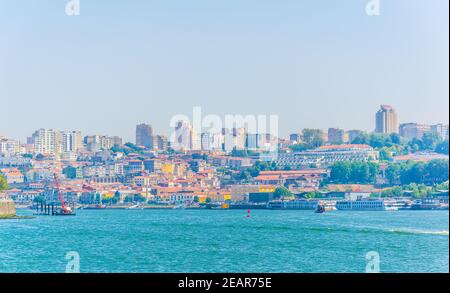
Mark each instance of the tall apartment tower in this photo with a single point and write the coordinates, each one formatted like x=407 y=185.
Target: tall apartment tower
x=386 y=120
x=71 y=141
x=45 y=141
x=144 y=135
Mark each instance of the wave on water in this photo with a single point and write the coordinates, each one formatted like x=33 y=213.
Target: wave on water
x=365 y=229
x=416 y=231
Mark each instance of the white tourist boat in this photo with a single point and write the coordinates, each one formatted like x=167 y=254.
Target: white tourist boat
x=367 y=205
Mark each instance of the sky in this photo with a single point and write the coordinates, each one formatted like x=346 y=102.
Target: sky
x=314 y=63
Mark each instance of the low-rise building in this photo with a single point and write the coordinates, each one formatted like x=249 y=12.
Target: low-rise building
x=325 y=156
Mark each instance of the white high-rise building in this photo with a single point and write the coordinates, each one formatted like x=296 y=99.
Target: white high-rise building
x=71 y=141
x=45 y=141
x=9 y=146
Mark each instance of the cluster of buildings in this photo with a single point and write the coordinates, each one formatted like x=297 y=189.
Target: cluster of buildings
x=387 y=122
x=326 y=156
x=195 y=167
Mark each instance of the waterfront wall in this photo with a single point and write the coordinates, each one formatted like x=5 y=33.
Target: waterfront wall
x=7 y=208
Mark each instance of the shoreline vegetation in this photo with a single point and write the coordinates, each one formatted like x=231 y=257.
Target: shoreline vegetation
x=15 y=217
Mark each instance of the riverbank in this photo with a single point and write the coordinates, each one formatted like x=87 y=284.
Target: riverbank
x=7 y=209
x=14 y=217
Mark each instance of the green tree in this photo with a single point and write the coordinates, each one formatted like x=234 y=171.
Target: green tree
x=70 y=172
x=395 y=138
x=299 y=147
x=416 y=145
x=392 y=173
x=385 y=155
x=442 y=147
x=281 y=192
x=311 y=194
x=378 y=140
x=414 y=174
x=436 y=171
x=340 y=172
x=139 y=198
x=3 y=183
x=363 y=138
x=430 y=140
x=442 y=186
x=313 y=138
x=359 y=172
x=374 y=170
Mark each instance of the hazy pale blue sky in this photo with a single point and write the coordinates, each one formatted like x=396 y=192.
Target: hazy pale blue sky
x=315 y=63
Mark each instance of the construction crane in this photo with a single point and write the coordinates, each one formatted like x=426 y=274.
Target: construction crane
x=65 y=210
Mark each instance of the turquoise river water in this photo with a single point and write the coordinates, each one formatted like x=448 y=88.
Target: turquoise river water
x=227 y=241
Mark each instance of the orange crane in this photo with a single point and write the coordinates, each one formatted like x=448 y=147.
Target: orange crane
x=65 y=210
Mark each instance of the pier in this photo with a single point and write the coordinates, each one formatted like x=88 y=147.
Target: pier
x=48 y=209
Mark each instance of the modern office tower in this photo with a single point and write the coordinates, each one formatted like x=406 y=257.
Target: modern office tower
x=441 y=130
x=386 y=120
x=413 y=130
x=336 y=135
x=45 y=141
x=144 y=136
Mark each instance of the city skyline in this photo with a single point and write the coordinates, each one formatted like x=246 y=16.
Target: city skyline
x=226 y=137
x=282 y=134
x=229 y=58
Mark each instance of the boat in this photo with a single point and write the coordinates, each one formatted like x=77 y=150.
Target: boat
x=95 y=207
x=133 y=207
x=178 y=207
x=367 y=205
x=428 y=204
x=302 y=204
x=320 y=209
x=67 y=211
